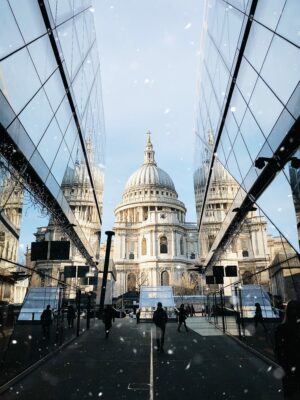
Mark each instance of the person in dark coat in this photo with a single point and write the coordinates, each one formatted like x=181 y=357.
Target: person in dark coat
x=193 y=313
x=182 y=317
x=108 y=317
x=46 y=321
x=71 y=316
x=160 y=318
x=258 y=315
x=287 y=350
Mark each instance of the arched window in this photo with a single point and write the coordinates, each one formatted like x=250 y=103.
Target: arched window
x=164 y=278
x=163 y=245
x=144 y=247
x=131 y=282
x=247 y=278
x=131 y=256
x=181 y=246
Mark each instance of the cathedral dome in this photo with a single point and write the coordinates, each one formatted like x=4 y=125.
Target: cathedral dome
x=149 y=175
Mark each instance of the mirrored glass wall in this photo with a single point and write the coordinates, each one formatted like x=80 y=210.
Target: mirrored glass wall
x=247 y=161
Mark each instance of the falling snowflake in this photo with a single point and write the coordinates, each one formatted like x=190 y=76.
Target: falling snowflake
x=14 y=341
x=188 y=365
x=100 y=394
x=121 y=339
x=170 y=351
x=188 y=26
x=167 y=110
x=233 y=109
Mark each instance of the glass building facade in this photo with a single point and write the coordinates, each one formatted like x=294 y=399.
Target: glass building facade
x=247 y=154
x=52 y=140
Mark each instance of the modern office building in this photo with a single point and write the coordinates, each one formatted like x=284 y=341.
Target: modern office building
x=51 y=127
x=247 y=131
x=153 y=245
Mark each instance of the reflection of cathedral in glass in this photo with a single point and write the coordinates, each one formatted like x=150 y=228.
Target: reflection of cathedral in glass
x=248 y=249
x=153 y=243
x=78 y=192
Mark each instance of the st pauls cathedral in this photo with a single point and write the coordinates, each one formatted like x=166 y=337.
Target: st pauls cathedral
x=154 y=245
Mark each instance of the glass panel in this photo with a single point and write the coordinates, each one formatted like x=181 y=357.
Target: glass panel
x=29 y=18
x=257 y=45
x=11 y=38
x=242 y=155
x=277 y=203
x=64 y=11
x=60 y=163
x=233 y=167
x=232 y=26
x=43 y=57
x=50 y=143
x=55 y=90
x=268 y=12
x=287 y=60
x=246 y=80
x=65 y=33
x=71 y=135
x=20 y=136
x=265 y=107
x=252 y=135
x=17 y=72
x=289 y=22
x=64 y=114
x=36 y=116
x=293 y=103
x=281 y=128
x=237 y=106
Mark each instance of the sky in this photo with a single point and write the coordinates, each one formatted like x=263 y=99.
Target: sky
x=149 y=53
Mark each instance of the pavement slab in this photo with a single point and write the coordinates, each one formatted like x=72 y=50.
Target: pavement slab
x=200 y=364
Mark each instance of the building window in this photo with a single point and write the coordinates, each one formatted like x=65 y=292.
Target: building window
x=131 y=282
x=144 y=247
x=245 y=253
x=164 y=278
x=131 y=256
x=163 y=242
x=181 y=246
x=192 y=256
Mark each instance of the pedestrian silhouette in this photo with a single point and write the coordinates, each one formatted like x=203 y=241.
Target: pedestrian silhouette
x=46 y=321
x=193 y=313
x=188 y=311
x=108 y=317
x=160 y=318
x=182 y=317
x=258 y=315
x=287 y=350
x=71 y=316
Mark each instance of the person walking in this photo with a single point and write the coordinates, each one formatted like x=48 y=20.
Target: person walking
x=193 y=313
x=108 y=317
x=160 y=318
x=46 y=321
x=71 y=315
x=258 y=315
x=182 y=317
x=287 y=350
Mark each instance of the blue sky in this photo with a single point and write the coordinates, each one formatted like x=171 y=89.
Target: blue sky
x=149 y=60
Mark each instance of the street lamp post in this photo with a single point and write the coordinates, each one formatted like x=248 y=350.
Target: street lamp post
x=105 y=270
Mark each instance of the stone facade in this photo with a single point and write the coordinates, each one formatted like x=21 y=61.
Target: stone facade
x=153 y=245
